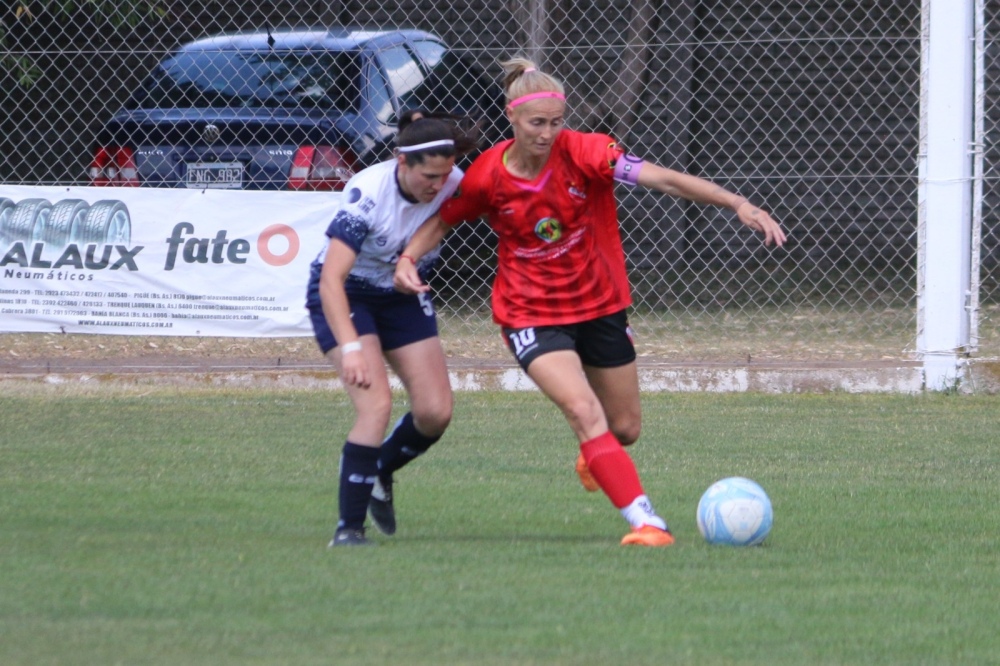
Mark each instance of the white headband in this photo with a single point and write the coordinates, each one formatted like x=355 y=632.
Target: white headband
x=424 y=146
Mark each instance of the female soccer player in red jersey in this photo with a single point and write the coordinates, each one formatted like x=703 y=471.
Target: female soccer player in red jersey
x=561 y=291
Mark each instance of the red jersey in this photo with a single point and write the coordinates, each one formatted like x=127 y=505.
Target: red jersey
x=560 y=257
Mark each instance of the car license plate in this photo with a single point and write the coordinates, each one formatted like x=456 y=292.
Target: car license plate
x=215 y=175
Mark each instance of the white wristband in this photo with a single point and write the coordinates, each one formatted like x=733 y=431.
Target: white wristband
x=349 y=347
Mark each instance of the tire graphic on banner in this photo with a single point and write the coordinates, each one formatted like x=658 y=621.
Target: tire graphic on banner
x=6 y=210
x=106 y=222
x=67 y=217
x=26 y=221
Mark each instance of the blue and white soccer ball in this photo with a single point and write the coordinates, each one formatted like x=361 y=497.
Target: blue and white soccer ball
x=735 y=512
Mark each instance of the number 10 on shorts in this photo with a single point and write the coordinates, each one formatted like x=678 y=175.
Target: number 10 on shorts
x=522 y=340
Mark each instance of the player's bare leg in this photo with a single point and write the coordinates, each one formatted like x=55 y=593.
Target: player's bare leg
x=422 y=369
x=560 y=376
x=372 y=405
x=359 y=458
x=618 y=390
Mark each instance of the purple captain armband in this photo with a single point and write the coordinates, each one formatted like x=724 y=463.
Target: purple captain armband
x=627 y=169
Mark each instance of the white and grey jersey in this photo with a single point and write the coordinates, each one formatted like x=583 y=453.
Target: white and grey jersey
x=374 y=220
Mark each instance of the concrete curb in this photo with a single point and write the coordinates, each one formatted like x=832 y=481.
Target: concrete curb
x=904 y=377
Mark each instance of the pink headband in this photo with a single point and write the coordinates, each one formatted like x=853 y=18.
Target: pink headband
x=538 y=95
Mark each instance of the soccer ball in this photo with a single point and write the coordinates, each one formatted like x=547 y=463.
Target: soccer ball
x=735 y=512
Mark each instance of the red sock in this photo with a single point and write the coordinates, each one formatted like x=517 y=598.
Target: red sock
x=612 y=468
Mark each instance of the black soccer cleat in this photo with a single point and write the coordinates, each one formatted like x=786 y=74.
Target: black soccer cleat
x=349 y=536
x=380 y=506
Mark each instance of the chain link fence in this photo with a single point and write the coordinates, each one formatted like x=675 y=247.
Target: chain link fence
x=810 y=109
x=988 y=249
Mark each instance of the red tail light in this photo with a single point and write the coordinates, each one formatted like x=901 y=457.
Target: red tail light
x=320 y=168
x=114 y=165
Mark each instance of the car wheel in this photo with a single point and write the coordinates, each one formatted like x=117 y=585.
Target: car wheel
x=26 y=221
x=107 y=223
x=65 y=215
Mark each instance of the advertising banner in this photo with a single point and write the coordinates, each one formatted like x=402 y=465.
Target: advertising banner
x=135 y=261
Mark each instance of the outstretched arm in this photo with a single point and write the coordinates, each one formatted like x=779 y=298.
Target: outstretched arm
x=427 y=237
x=699 y=190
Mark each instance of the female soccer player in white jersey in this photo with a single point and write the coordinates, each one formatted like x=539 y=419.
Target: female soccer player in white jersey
x=561 y=293
x=358 y=318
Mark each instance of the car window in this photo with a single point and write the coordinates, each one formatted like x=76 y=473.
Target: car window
x=323 y=79
x=378 y=95
x=430 y=52
x=402 y=71
x=455 y=86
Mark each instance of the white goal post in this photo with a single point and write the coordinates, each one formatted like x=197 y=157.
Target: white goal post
x=951 y=108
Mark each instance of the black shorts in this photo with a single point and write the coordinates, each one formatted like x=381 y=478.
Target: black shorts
x=397 y=319
x=605 y=342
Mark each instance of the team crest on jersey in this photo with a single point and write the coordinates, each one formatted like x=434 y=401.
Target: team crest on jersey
x=548 y=229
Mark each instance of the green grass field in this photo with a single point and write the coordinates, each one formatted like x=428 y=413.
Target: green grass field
x=190 y=527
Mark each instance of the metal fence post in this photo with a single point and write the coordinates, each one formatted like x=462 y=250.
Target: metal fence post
x=947 y=104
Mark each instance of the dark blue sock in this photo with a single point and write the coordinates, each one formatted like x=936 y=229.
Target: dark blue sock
x=358 y=467
x=403 y=445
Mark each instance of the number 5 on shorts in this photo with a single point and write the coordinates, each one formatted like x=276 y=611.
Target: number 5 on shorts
x=426 y=304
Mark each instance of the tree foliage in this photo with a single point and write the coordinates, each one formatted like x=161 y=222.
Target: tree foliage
x=119 y=13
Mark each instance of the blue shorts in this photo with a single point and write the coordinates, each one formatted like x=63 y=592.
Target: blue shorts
x=397 y=319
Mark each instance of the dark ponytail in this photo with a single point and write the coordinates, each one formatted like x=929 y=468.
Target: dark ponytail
x=418 y=126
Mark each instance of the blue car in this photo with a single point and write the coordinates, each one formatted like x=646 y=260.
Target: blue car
x=286 y=110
